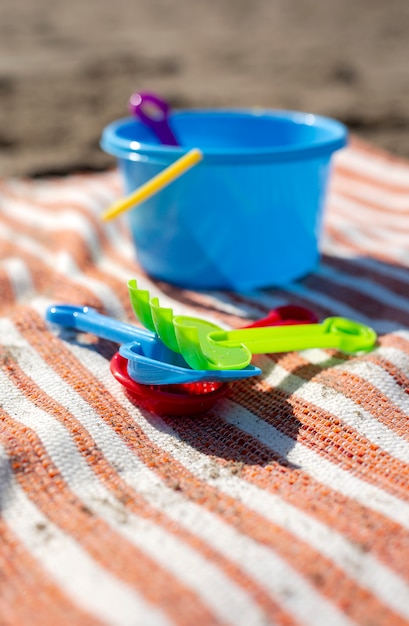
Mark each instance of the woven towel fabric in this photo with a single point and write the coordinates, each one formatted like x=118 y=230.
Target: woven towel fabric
x=287 y=503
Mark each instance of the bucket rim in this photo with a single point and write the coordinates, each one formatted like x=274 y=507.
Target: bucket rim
x=132 y=150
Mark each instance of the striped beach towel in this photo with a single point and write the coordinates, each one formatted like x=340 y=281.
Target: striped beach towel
x=287 y=503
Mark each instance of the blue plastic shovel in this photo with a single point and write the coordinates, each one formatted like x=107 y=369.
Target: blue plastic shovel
x=150 y=362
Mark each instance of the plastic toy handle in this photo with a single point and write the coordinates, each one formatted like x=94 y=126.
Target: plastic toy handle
x=155 y=184
x=153 y=111
x=200 y=352
x=334 y=332
x=89 y=320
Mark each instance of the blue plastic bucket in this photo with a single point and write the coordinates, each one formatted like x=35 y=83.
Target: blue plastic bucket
x=249 y=215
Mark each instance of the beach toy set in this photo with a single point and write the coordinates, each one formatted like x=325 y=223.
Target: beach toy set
x=242 y=210
x=152 y=366
x=182 y=365
x=150 y=361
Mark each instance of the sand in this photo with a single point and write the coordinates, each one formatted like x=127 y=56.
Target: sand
x=68 y=68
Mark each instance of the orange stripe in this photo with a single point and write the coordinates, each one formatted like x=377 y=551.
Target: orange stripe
x=130 y=498
x=43 y=484
x=320 y=572
x=7 y=295
x=7 y=248
x=27 y=595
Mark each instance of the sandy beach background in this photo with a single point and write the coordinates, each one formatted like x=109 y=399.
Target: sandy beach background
x=68 y=68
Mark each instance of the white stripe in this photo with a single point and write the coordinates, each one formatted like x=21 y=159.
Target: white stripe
x=229 y=602
x=380 y=232
x=361 y=218
x=404 y=334
x=19 y=276
x=320 y=357
x=398 y=355
x=87 y=583
x=331 y=246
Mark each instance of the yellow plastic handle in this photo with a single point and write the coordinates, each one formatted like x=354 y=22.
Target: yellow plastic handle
x=155 y=184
